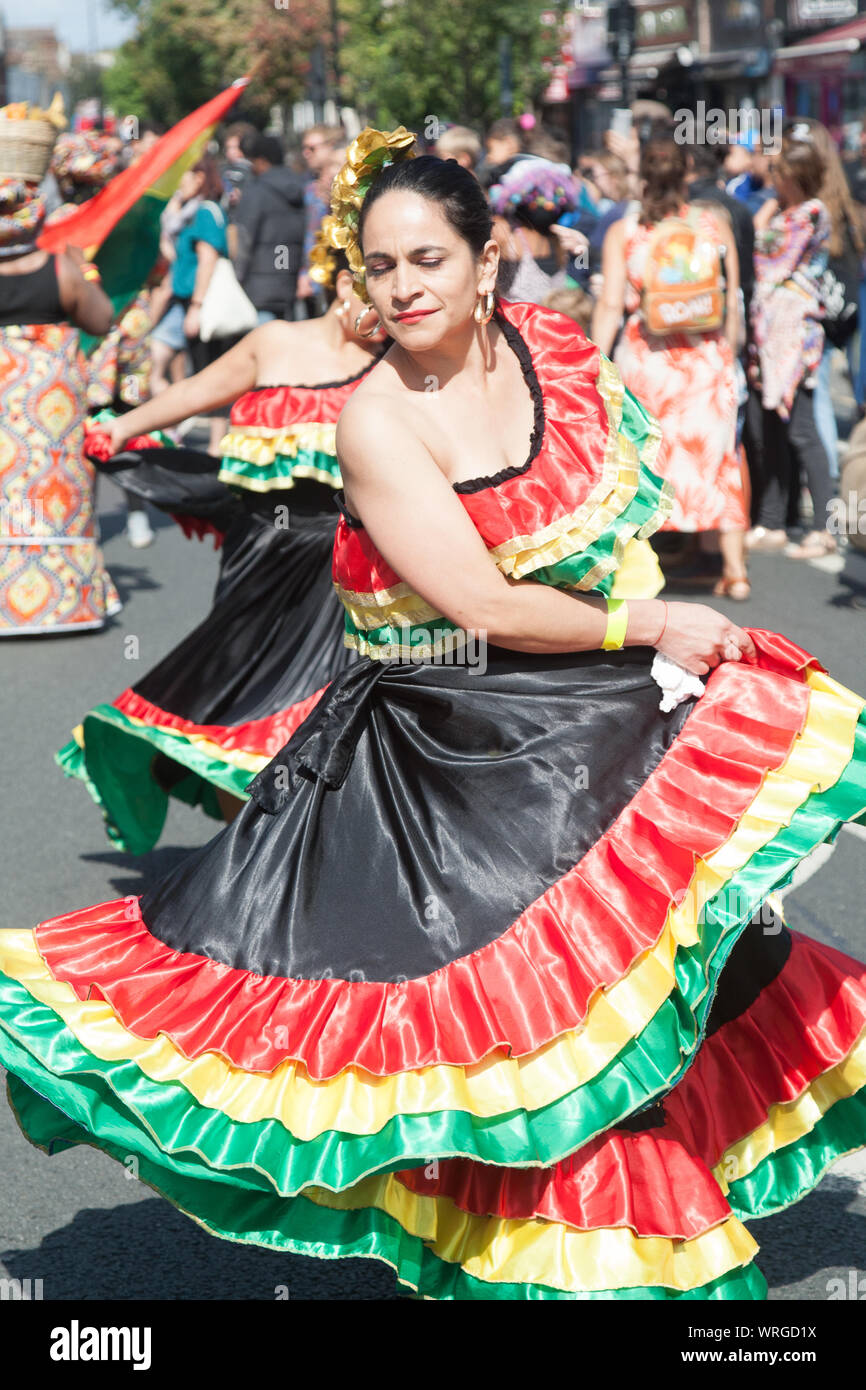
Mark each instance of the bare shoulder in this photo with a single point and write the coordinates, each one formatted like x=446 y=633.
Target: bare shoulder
x=380 y=391
x=279 y=333
x=377 y=410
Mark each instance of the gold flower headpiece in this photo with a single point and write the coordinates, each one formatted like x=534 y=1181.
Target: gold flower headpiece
x=330 y=237
x=366 y=157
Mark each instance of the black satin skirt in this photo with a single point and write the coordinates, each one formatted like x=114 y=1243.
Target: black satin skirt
x=220 y=704
x=417 y=812
x=274 y=635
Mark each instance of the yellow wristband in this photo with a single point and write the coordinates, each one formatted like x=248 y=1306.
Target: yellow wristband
x=617 y=624
x=90 y=272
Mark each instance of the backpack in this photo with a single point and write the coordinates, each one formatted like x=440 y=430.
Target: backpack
x=839 y=291
x=683 y=283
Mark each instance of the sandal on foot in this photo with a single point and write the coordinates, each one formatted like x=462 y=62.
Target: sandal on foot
x=816 y=545
x=737 y=588
x=759 y=538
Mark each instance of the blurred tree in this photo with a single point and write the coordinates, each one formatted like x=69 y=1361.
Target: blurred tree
x=185 y=51
x=83 y=80
x=415 y=62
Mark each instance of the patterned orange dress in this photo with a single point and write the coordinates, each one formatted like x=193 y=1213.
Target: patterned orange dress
x=688 y=382
x=52 y=575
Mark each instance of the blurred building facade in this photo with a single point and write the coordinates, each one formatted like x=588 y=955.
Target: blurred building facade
x=34 y=65
x=803 y=57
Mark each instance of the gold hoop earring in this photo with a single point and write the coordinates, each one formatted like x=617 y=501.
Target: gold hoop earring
x=483 y=314
x=359 y=320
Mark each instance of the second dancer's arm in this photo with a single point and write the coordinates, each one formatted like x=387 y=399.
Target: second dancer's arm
x=216 y=385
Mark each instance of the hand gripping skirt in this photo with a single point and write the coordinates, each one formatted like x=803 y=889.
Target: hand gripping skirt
x=482 y=982
x=213 y=712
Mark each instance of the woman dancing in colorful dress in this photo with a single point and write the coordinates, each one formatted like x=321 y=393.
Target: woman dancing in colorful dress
x=220 y=704
x=477 y=982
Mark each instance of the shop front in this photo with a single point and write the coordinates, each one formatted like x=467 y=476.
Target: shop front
x=825 y=75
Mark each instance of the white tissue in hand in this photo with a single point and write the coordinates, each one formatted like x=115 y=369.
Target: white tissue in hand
x=677 y=684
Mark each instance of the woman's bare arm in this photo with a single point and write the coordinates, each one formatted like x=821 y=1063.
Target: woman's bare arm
x=85 y=301
x=610 y=307
x=223 y=381
x=416 y=521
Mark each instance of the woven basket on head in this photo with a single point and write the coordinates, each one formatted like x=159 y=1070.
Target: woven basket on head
x=25 y=149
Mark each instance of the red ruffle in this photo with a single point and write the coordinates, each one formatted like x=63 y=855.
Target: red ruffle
x=262 y=736
x=528 y=986
x=278 y=407
x=647 y=1181
x=97 y=444
x=195 y=526
x=565 y=470
x=801 y=1024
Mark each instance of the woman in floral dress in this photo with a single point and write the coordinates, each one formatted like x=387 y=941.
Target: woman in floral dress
x=687 y=380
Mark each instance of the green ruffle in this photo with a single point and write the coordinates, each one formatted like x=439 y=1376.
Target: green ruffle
x=282 y=471
x=641 y=517
x=243 y=1213
x=380 y=641
x=789 y=1174
x=115 y=766
x=648 y=1066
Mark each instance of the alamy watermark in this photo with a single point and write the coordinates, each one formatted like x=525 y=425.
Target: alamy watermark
x=713 y=126
x=435 y=646
x=846 y=516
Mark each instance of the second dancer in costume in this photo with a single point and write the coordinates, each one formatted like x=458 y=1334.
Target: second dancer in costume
x=216 y=708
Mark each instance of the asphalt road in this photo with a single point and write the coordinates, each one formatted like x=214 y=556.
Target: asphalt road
x=76 y=1220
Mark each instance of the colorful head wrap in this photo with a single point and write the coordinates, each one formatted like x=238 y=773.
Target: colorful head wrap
x=536 y=186
x=22 y=213
x=82 y=162
x=370 y=153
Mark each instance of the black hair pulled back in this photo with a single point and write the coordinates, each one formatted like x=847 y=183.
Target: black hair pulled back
x=443 y=181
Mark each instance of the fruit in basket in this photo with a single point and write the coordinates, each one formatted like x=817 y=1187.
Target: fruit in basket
x=23 y=111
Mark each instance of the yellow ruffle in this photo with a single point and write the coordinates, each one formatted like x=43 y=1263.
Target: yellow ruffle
x=236 y=757
x=639 y=574
x=357 y=1102
x=260 y=444
x=521 y=556
x=789 y=1121
x=393 y=607
x=502 y=1250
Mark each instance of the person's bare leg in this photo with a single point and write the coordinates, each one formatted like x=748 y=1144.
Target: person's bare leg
x=161 y=359
x=228 y=804
x=735 y=581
